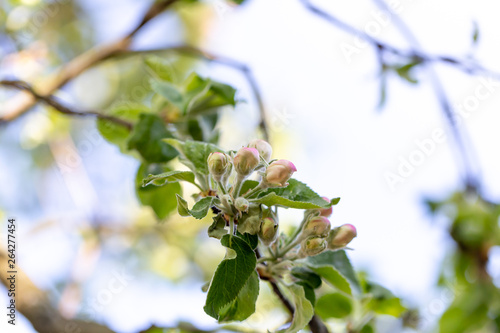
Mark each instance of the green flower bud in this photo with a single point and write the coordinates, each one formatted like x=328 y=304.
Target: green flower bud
x=341 y=236
x=246 y=160
x=268 y=231
x=241 y=204
x=278 y=173
x=218 y=165
x=312 y=246
x=264 y=148
x=317 y=226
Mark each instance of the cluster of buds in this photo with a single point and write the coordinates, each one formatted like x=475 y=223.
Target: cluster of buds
x=256 y=157
x=317 y=235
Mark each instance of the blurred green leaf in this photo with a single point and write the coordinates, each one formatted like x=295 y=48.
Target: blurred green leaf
x=161 y=199
x=169 y=177
x=332 y=276
x=194 y=154
x=217 y=228
x=304 y=312
x=339 y=261
x=308 y=276
x=161 y=68
x=147 y=139
x=334 y=305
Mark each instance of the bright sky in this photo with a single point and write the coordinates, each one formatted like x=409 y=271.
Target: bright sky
x=322 y=111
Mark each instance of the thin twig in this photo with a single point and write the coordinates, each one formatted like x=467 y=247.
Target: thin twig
x=469 y=66
x=415 y=52
x=84 y=61
x=52 y=101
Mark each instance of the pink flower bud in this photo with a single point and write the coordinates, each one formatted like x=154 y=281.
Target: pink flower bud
x=341 y=236
x=246 y=160
x=218 y=165
x=317 y=226
x=327 y=212
x=264 y=148
x=278 y=173
x=268 y=231
x=312 y=246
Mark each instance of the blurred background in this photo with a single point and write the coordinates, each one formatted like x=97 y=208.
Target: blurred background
x=373 y=135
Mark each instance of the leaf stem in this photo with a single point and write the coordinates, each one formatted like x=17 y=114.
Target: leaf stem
x=221 y=187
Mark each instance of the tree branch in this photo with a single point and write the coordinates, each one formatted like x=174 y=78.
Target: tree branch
x=416 y=53
x=35 y=305
x=52 y=101
x=85 y=61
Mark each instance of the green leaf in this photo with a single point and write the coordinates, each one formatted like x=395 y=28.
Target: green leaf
x=333 y=277
x=406 y=71
x=203 y=95
x=161 y=199
x=248 y=185
x=334 y=305
x=218 y=228
x=199 y=210
x=147 y=139
x=252 y=240
x=231 y=275
x=305 y=311
x=161 y=68
x=115 y=133
x=194 y=154
x=307 y=276
x=169 y=92
x=244 y=305
x=383 y=300
x=308 y=292
x=339 y=261
x=182 y=206
x=295 y=195
x=168 y=178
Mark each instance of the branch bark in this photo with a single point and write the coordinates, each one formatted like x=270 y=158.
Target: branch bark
x=83 y=62
x=52 y=101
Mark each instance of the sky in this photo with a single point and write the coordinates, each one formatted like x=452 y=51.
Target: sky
x=322 y=110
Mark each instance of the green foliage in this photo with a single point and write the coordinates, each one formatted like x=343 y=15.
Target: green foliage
x=305 y=311
x=244 y=305
x=230 y=278
x=295 y=195
x=199 y=210
x=194 y=154
x=334 y=305
x=161 y=199
x=332 y=262
x=169 y=177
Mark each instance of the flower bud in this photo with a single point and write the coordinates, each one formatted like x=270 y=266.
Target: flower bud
x=312 y=246
x=264 y=148
x=268 y=231
x=218 y=165
x=278 y=173
x=246 y=160
x=317 y=226
x=241 y=204
x=341 y=236
x=326 y=212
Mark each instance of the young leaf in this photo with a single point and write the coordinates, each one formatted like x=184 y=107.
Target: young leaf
x=147 y=139
x=333 y=277
x=199 y=210
x=304 y=309
x=244 y=305
x=337 y=260
x=169 y=177
x=161 y=199
x=252 y=240
x=194 y=154
x=169 y=92
x=295 y=195
x=217 y=228
x=231 y=275
x=334 y=305
x=309 y=277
